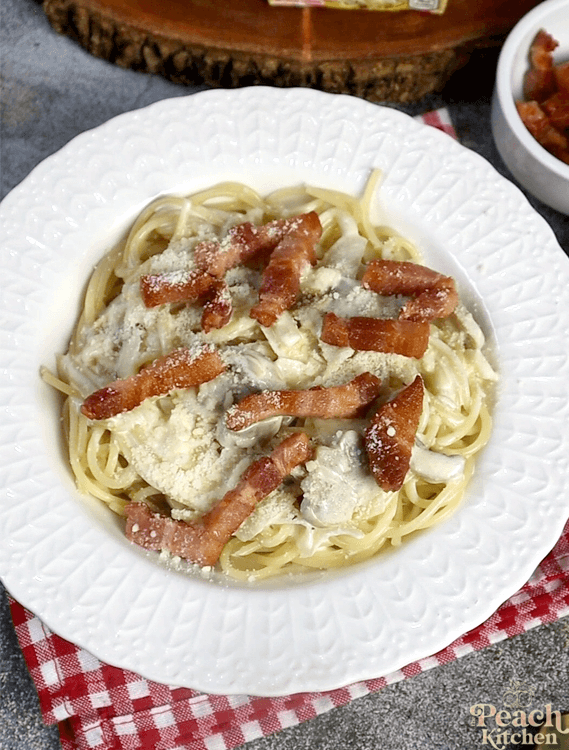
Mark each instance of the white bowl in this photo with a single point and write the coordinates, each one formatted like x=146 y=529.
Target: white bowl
x=541 y=173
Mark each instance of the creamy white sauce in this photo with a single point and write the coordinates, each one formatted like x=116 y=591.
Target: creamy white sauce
x=338 y=482
x=436 y=467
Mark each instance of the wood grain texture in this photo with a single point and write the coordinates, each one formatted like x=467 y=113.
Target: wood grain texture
x=379 y=56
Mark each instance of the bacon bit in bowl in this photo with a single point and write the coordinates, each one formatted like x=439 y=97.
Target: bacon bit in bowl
x=545 y=111
x=528 y=111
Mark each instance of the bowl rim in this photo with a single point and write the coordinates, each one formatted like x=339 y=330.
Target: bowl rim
x=504 y=89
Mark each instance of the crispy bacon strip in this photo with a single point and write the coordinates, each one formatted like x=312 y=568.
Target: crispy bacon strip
x=390 y=437
x=561 y=73
x=541 y=49
x=281 y=278
x=538 y=124
x=213 y=259
x=336 y=401
x=538 y=84
x=407 y=337
x=203 y=541
x=557 y=109
x=242 y=243
x=539 y=80
x=181 y=368
x=162 y=288
x=218 y=307
x=432 y=294
x=193 y=286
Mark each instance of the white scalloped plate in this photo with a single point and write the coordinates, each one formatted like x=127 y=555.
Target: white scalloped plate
x=63 y=556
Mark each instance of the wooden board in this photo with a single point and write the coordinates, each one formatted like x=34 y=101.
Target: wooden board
x=380 y=56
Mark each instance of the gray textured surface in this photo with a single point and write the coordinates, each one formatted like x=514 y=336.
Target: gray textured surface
x=50 y=90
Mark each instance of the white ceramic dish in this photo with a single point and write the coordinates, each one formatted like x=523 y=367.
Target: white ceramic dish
x=541 y=173
x=66 y=559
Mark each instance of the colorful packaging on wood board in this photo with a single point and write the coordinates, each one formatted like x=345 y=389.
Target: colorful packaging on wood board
x=431 y=6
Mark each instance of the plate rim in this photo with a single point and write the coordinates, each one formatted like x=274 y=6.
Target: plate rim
x=15 y=582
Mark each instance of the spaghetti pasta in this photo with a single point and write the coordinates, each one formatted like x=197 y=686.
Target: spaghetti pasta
x=175 y=452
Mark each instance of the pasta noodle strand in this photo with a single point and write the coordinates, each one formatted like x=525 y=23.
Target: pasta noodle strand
x=115 y=332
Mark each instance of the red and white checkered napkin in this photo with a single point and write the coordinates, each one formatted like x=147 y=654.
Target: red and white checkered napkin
x=99 y=707
x=105 y=708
